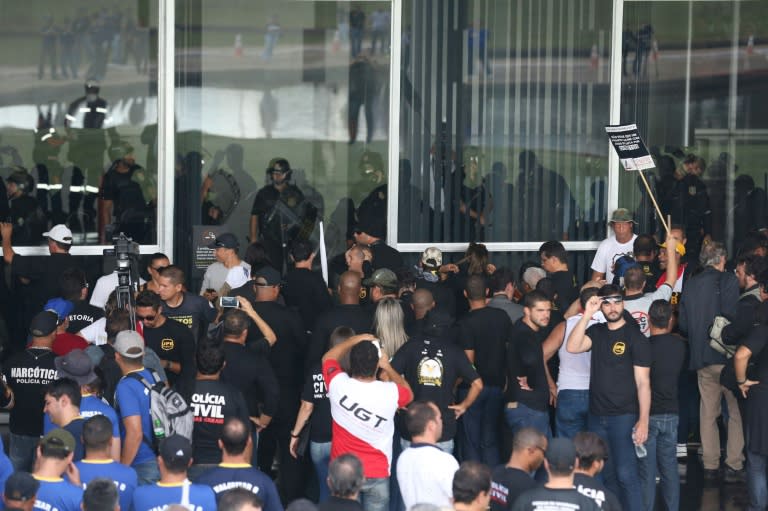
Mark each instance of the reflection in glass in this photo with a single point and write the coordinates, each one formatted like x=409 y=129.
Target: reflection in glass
x=282 y=121
x=76 y=97
x=693 y=84
x=502 y=108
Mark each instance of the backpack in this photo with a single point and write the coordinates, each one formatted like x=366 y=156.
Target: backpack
x=169 y=412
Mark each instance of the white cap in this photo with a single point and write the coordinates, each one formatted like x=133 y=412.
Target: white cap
x=60 y=233
x=432 y=257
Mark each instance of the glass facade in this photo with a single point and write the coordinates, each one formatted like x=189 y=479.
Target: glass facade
x=259 y=82
x=78 y=119
x=502 y=109
x=693 y=77
x=448 y=121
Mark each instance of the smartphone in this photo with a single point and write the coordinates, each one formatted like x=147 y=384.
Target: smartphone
x=229 y=302
x=377 y=343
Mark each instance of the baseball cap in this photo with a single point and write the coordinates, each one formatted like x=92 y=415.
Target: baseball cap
x=59 y=306
x=59 y=439
x=680 y=248
x=176 y=448
x=622 y=215
x=432 y=257
x=44 y=323
x=21 y=486
x=266 y=276
x=60 y=233
x=226 y=240
x=129 y=344
x=383 y=278
x=561 y=454
x=76 y=365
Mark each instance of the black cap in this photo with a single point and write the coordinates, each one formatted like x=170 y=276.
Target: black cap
x=21 y=486
x=44 y=323
x=376 y=228
x=226 y=240
x=561 y=454
x=176 y=448
x=266 y=276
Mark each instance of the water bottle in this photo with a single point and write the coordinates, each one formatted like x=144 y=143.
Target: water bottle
x=159 y=429
x=640 y=450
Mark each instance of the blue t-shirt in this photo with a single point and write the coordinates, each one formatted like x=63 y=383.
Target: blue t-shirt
x=124 y=477
x=228 y=476
x=89 y=406
x=131 y=399
x=154 y=497
x=58 y=494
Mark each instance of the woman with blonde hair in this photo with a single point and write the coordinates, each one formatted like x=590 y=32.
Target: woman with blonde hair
x=389 y=325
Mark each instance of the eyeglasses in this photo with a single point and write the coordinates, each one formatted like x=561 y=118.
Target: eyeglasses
x=146 y=318
x=543 y=450
x=159 y=268
x=613 y=299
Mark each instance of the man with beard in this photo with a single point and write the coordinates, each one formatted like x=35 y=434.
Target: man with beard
x=619 y=389
x=527 y=391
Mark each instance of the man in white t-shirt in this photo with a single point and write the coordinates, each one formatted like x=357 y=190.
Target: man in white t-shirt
x=363 y=412
x=613 y=247
x=636 y=301
x=228 y=269
x=424 y=471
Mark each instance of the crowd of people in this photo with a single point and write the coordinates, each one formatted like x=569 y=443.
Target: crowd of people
x=449 y=384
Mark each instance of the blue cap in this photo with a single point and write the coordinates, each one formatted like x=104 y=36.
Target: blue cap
x=59 y=306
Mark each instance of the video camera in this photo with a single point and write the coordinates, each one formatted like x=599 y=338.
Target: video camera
x=124 y=257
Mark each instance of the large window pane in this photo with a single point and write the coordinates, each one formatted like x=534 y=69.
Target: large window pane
x=502 y=113
x=266 y=79
x=78 y=119
x=694 y=83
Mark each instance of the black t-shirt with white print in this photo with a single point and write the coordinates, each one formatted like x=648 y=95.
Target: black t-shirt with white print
x=211 y=402
x=595 y=490
x=28 y=374
x=551 y=499
x=316 y=392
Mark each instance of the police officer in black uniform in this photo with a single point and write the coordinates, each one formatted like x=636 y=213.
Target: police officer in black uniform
x=280 y=214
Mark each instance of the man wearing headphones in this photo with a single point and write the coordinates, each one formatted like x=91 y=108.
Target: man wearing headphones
x=280 y=213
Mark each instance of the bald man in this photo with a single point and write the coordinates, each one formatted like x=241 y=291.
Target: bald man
x=422 y=302
x=349 y=312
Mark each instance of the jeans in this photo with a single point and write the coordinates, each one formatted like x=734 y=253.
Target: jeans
x=571 y=413
x=22 y=451
x=525 y=417
x=147 y=472
x=481 y=427
x=621 y=472
x=661 y=459
x=321 y=457
x=375 y=494
x=757 y=487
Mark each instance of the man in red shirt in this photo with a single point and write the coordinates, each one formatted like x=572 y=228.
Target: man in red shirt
x=363 y=410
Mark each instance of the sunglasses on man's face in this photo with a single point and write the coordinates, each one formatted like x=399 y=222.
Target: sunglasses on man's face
x=146 y=318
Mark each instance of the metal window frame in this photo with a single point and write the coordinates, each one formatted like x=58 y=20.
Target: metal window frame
x=394 y=146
